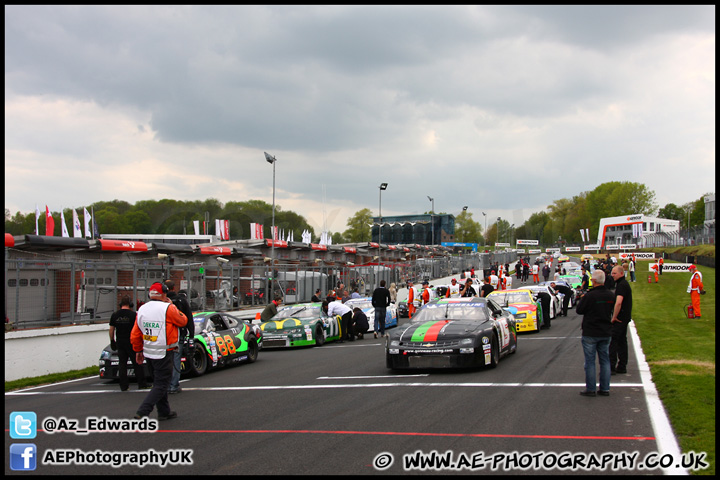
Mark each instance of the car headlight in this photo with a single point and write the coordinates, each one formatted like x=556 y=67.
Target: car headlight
x=105 y=355
x=394 y=343
x=521 y=315
x=465 y=341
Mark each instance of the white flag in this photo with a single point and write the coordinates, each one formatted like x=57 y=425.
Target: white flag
x=196 y=225
x=77 y=231
x=65 y=232
x=37 y=216
x=582 y=234
x=88 y=232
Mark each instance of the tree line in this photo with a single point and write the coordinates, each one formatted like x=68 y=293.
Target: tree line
x=561 y=222
x=169 y=217
x=563 y=219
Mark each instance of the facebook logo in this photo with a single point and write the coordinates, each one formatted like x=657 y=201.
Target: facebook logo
x=23 y=456
x=23 y=425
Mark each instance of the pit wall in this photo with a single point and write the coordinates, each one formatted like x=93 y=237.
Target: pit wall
x=32 y=353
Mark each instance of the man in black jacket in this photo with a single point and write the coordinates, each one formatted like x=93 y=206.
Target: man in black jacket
x=620 y=320
x=188 y=331
x=359 y=323
x=597 y=309
x=380 y=301
x=567 y=295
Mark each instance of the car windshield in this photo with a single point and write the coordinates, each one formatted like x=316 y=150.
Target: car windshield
x=199 y=323
x=507 y=298
x=361 y=304
x=298 y=311
x=572 y=279
x=455 y=311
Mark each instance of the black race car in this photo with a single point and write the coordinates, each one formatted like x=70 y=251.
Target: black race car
x=220 y=340
x=453 y=333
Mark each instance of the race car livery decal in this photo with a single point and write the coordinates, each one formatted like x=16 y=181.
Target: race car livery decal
x=428 y=332
x=504 y=333
x=280 y=324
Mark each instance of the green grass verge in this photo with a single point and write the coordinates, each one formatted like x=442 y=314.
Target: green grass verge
x=51 y=378
x=681 y=354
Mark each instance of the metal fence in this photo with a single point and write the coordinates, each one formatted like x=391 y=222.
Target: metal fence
x=700 y=235
x=48 y=293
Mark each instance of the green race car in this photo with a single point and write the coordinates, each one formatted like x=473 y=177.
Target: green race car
x=303 y=324
x=573 y=280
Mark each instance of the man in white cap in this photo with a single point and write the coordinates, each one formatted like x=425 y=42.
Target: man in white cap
x=154 y=338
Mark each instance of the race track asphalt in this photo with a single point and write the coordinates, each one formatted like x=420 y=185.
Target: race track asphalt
x=337 y=409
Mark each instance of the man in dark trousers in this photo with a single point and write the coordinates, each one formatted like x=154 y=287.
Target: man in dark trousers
x=380 y=301
x=154 y=338
x=546 y=272
x=597 y=310
x=336 y=307
x=121 y=324
x=545 y=300
x=567 y=295
x=360 y=323
x=186 y=332
x=620 y=320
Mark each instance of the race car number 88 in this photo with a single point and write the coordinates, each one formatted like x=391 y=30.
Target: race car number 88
x=225 y=345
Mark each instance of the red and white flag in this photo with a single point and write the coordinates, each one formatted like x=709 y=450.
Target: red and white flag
x=50 y=223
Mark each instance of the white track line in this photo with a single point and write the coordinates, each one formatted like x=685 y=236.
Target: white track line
x=666 y=441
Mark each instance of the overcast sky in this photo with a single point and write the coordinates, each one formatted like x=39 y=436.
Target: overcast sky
x=504 y=109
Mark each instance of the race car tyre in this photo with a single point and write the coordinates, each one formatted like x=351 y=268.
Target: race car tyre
x=494 y=352
x=252 y=349
x=319 y=336
x=198 y=362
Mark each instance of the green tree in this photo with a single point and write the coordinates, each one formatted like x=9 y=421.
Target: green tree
x=672 y=212
x=697 y=213
x=137 y=221
x=612 y=199
x=359 y=227
x=491 y=236
x=467 y=230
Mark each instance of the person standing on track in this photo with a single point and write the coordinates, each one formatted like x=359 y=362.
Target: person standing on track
x=453 y=290
x=597 y=310
x=380 y=301
x=186 y=333
x=620 y=320
x=121 y=325
x=154 y=338
x=411 y=299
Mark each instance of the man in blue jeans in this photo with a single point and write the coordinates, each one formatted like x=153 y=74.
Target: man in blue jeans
x=597 y=306
x=380 y=301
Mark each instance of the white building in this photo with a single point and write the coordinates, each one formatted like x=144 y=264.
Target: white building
x=627 y=229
